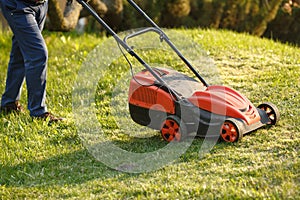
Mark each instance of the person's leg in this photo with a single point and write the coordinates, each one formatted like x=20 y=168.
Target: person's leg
x=15 y=76
x=15 y=73
x=36 y=70
x=23 y=22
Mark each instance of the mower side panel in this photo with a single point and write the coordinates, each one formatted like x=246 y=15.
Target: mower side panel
x=146 y=117
x=199 y=121
x=151 y=97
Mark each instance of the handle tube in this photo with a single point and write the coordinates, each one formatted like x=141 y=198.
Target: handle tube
x=168 y=41
x=123 y=44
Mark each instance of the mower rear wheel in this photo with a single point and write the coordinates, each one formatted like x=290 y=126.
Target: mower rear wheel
x=173 y=129
x=272 y=112
x=231 y=130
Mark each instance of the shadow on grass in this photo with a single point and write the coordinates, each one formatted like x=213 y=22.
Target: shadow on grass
x=72 y=168
x=80 y=166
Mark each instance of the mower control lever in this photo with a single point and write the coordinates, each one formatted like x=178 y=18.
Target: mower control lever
x=140 y=32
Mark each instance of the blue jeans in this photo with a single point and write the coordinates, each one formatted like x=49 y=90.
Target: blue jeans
x=28 y=56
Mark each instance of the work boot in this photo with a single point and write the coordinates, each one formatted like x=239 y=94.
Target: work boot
x=12 y=107
x=50 y=116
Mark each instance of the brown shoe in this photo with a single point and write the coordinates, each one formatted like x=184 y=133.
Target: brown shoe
x=12 y=107
x=51 y=117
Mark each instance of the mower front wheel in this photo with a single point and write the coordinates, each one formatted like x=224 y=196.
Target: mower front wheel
x=272 y=112
x=173 y=129
x=231 y=130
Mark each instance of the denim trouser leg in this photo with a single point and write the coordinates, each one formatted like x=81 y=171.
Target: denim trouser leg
x=15 y=75
x=28 y=55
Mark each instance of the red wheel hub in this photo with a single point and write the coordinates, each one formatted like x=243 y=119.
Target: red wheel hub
x=229 y=132
x=170 y=130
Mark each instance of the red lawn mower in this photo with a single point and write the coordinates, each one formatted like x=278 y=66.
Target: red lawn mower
x=177 y=105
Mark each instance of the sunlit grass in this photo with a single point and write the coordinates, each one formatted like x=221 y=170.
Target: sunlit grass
x=38 y=161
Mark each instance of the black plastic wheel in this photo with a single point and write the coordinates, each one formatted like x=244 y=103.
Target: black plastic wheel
x=231 y=130
x=272 y=112
x=173 y=129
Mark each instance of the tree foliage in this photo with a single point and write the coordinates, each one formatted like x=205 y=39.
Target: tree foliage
x=258 y=17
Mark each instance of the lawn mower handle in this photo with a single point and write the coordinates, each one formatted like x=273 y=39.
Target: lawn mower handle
x=125 y=46
x=140 y=32
x=164 y=37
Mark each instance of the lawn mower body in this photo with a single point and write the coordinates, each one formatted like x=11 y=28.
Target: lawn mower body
x=176 y=104
x=200 y=109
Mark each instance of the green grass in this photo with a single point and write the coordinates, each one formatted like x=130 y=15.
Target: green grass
x=50 y=162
